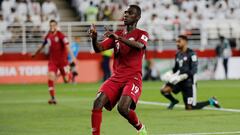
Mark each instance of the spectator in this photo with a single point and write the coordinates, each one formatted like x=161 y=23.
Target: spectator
x=168 y=12
x=167 y=29
x=49 y=9
x=7 y=5
x=208 y=12
x=3 y=29
x=82 y=6
x=231 y=14
x=220 y=10
x=29 y=27
x=106 y=55
x=117 y=13
x=12 y=16
x=153 y=26
x=188 y=5
x=22 y=10
x=223 y=50
x=34 y=7
x=107 y=13
x=91 y=13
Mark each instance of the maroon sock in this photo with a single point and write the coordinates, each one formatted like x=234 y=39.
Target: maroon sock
x=96 y=121
x=51 y=88
x=133 y=120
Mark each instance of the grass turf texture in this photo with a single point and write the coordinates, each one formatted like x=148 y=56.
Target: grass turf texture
x=24 y=111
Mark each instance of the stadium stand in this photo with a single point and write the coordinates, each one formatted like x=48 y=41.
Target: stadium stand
x=24 y=22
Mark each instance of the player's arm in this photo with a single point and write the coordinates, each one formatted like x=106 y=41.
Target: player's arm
x=176 y=66
x=99 y=46
x=131 y=43
x=40 y=48
x=194 y=65
x=140 y=43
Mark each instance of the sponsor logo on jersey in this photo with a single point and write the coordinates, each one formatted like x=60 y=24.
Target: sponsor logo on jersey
x=185 y=58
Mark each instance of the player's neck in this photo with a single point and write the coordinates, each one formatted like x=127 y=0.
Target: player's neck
x=184 y=49
x=131 y=27
x=54 y=32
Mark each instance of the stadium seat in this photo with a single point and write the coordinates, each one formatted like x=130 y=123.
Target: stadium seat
x=235 y=31
x=224 y=28
x=211 y=28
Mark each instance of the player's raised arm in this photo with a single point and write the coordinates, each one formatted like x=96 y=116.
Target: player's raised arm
x=93 y=34
x=130 y=43
x=106 y=44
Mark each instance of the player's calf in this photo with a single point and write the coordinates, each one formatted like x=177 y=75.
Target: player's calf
x=166 y=92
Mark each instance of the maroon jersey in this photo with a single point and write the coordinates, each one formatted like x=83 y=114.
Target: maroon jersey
x=57 y=47
x=127 y=60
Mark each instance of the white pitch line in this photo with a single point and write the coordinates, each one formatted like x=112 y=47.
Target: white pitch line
x=213 y=133
x=181 y=106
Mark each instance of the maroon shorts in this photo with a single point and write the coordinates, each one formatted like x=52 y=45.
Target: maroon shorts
x=62 y=68
x=114 y=90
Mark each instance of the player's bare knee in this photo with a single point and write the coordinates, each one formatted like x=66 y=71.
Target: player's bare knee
x=100 y=101
x=51 y=76
x=123 y=110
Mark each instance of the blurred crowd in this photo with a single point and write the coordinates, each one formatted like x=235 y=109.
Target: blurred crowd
x=164 y=19
x=16 y=12
x=100 y=10
x=170 y=16
x=21 y=11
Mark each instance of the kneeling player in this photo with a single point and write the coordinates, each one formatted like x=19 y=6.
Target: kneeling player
x=182 y=78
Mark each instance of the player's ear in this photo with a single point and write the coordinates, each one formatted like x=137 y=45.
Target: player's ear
x=138 y=17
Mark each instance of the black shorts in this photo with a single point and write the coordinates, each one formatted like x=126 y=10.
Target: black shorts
x=188 y=91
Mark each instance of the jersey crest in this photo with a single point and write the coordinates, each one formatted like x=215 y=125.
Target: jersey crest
x=56 y=39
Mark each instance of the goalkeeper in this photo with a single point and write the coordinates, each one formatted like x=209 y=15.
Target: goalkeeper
x=182 y=78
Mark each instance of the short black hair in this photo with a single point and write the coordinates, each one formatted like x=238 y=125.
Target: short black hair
x=51 y=21
x=137 y=8
x=184 y=37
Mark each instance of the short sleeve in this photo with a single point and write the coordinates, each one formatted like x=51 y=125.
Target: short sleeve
x=63 y=38
x=143 y=38
x=194 y=57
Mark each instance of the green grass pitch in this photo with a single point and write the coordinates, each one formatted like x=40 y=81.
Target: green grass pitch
x=24 y=111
